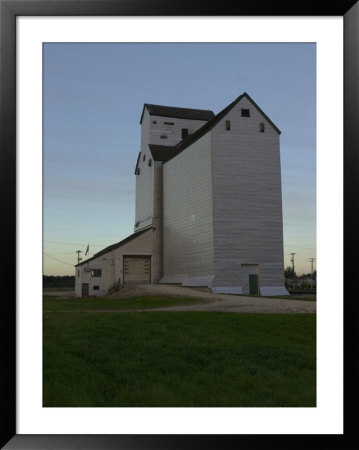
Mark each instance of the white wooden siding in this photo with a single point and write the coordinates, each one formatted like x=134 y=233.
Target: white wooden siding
x=151 y=134
x=247 y=200
x=188 y=215
x=144 y=181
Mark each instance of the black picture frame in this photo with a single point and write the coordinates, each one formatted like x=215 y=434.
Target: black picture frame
x=9 y=10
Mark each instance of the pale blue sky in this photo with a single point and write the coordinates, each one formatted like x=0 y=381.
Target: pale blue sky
x=93 y=99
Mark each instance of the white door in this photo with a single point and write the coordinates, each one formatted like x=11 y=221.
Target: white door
x=136 y=270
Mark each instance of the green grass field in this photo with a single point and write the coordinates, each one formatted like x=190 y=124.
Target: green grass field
x=52 y=303
x=58 y=289
x=177 y=358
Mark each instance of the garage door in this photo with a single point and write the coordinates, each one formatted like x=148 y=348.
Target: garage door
x=136 y=270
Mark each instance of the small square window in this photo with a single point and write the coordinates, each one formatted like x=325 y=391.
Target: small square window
x=261 y=127
x=96 y=288
x=184 y=133
x=245 y=113
x=228 y=125
x=96 y=272
x=154 y=121
x=163 y=136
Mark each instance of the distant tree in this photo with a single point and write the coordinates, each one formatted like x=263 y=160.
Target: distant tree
x=56 y=281
x=289 y=273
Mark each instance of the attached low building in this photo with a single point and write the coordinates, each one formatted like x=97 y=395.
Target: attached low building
x=127 y=262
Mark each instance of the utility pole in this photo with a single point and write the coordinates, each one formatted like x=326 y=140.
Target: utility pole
x=78 y=256
x=312 y=260
x=292 y=261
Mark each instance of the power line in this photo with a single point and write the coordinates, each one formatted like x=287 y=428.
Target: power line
x=312 y=260
x=78 y=256
x=72 y=243
x=303 y=248
x=49 y=256
x=292 y=261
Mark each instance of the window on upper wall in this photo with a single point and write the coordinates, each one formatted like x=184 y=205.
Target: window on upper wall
x=144 y=157
x=163 y=136
x=150 y=162
x=184 y=133
x=154 y=121
x=96 y=272
x=228 y=125
x=261 y=127
x=245 y=113
x=96 y=288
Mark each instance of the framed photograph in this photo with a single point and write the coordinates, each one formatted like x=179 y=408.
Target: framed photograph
x=42 y=43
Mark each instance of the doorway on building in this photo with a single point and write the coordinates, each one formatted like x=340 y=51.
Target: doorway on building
x=253 y=284
x=85 y=290
x=250 y=279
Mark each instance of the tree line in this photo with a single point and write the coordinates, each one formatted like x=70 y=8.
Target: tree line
x=289 y=273
x=56 y=281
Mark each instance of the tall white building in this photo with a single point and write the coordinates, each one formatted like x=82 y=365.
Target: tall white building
x=208 y=204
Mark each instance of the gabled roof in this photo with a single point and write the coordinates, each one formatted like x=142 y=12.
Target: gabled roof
x=182 y=145
x=115 y=246
x=161 y=152
x=158 y=152
x=179 y=113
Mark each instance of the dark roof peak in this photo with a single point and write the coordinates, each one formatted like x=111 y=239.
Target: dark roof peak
x=177 y=112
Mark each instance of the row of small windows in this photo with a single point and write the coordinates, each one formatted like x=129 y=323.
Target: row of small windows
x=261 y=126
x=184 y=131
x=165 y=123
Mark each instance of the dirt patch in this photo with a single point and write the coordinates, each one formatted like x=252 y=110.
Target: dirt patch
x=168 y=290
x=216 y=302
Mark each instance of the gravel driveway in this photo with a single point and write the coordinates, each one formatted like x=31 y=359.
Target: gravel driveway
x=217 y=302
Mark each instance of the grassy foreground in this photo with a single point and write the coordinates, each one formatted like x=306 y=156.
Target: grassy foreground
x=178 y=359
x=113 y=303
